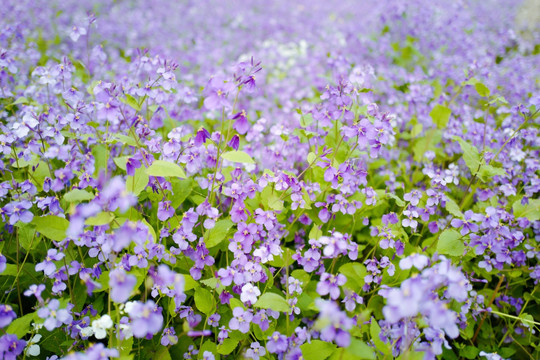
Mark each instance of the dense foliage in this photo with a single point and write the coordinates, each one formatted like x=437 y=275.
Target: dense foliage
x=269 y=180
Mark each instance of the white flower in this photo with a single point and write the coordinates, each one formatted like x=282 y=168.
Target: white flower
x=250 y=293
x=21 y=129
x=86 y=332
x=100 y=326
x=126 y=330
x=32 y=348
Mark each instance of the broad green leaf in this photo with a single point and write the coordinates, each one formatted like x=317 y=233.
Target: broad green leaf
x=101 y=156
x=311 y=157
x=217 y=234
x=531 y=210
x=238 y=156
x=453 y=208
x=78 y=195
x=399 y=202
x=469 y=352
x=21 y=100
x=131 y=101
x=470 y=155
x=375 y=331
x=137 y=183
x=272 y=301
x=189 y=283
x=204 y=301
x=488 y=171
x=227 y=346
x=361 y=350
x=450 y=243
x=121 y=161
x=21 y=326
x=209 y=346
x=27 y=236
x=440 y=115
x=315 y=233
x=100 y=219
x=275 y=203
x=53 y=227
x=165 y=168
x=317 y=350
x=162 y=353
x=482 y=89
x=181 y=190
x=426 y=143
x=128 y=140
x=355 y=273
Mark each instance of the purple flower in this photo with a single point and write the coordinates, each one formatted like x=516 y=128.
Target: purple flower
x=19 y=211
x=234 y=142
x=255 y=351
x=417 y=260
x=329 y=284
x=11 y=347
x=165 y=210
x=3 y=263
x=121 y=285
x=413 y=197
x=47 y=266
x=53 y=316
x=333 y=323
x=241 y=320
x=146 y=319
x=409 y=220
x=169 y=337
x=277 y=343
x=6 y=315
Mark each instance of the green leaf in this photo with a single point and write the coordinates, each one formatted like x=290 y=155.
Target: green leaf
x=469 y=352
x=101 y=156
x=121 y=161
x=374 y=331
x=317 y=350
x=440 y=115
x=21 y=326
x=217 y=234
x=181 y=190
x=100 y=219
x=21 y=100
x=453 y=208
x=53 y=227
x=209 y=346
x=27 y=236
x=165 y=168
x=487 y=172
x=78 y=195
x=227 y=346
x=189 y=283
x=137 y=183
x=315 y=233
x=426 y=143
x=361 y=349
x=128 y=140
x=131 y=101
x=450 y=243
x=355 y=273
x=162 y=353
x=204 y=301
x=399 y=202
x=238 y=156
x=272 y=301
x=470 y=155
x=531 y=210
x=482 y=89
x=274 y=202
x=311 y=157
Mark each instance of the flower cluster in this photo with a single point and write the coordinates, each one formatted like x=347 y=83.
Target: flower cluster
x=222 y=180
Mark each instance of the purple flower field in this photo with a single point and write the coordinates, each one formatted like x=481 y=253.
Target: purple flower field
x=296 y=180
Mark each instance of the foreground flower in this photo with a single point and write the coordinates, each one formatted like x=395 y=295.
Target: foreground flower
x=146 y=319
